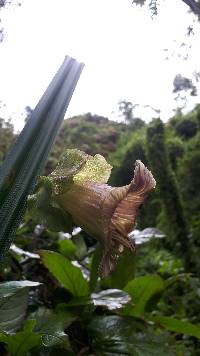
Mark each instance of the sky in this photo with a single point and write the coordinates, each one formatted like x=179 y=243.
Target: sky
x=122 y=47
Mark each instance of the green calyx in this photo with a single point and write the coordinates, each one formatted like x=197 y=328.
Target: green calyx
x=75 y=168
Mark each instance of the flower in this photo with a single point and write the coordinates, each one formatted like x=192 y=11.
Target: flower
x=79 y=190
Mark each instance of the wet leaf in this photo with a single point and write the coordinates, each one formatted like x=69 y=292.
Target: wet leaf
x=22 y=253
x=110 y=298
x=114 y=335
x=51 y=327
x=13 y=303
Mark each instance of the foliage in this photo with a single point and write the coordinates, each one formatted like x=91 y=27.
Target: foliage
x=149 y=305
x=90 y=133
x=175 y=150
x=126 y=109
x=7 y=138
x=194 y=5
x=181 y=83
x=186 y=128
x=110 y=321
x=168 y=187
x=188 y=173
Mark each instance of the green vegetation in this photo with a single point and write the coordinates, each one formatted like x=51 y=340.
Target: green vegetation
x=7 y=138
x=90 y=133
x=51 y=299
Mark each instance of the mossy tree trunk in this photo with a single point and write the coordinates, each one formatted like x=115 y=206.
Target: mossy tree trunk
x=169 y=191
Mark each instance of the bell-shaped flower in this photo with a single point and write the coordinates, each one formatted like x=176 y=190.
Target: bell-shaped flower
x=76 y=193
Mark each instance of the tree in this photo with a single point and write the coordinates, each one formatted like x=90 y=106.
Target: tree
x=186 y=128
x=193 y=5
x=126 y=109
x=3 y=4
x=169 y=191
x=7 y=138
x=181 y=83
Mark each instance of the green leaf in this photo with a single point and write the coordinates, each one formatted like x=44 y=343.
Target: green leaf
x=13 y=303
x=68 y=275
x=67 y=248
x=52 y=327
x=115 y=325
x=26 y=160
x=96 y=259
x=20 y=343
x=178 y=326
x=110 y=298
x=44 y=211
x=121 y=276
x=81 y=248
x=142 y=289
x=174 y=279
x=114 y=335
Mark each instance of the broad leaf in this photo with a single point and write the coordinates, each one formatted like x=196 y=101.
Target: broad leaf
x=51 y=327
x=67 y=247
x=142 y=289
x=68 y=275
x=178 y=326
x=13 y=303
x=20 y=343
x=122 y=275
x=114 y=335
x=110 y=298
x=117 y=325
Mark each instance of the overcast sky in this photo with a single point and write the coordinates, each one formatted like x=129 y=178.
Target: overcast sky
x=121 y=46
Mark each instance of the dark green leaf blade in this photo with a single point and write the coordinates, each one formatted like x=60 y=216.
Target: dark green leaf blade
x=68 y=275
x=67 y=248
x=178 y=326
x=96 y=259
x=142 y=289
x=51 y=326
x=28 y=156
x=20 y=343
x=121 y=276
x=115 y=335
x=13 y=303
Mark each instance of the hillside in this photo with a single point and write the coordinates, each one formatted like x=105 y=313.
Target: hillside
x=90 y=133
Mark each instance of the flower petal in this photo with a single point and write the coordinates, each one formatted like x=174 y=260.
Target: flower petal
x=135 y=193
x=129 y=199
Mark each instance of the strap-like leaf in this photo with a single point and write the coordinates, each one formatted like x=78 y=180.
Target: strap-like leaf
x=28 y=156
